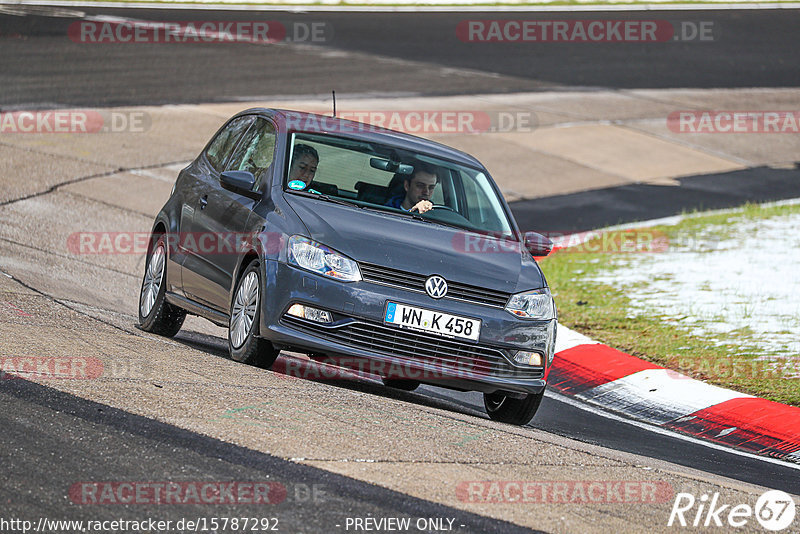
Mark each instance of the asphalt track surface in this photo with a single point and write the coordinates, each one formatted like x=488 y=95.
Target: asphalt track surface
x=563 y=419
x=40 y=67
x=95 y=442
x=405 y=54
x=600 y=208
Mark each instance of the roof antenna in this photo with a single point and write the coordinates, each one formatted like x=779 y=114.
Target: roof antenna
x=334 y=103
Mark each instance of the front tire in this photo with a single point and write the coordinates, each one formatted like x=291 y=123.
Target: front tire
x=510 y=410
x=243 y=343
x=156 y=315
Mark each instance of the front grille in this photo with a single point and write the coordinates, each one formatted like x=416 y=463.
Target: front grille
x=476 y=360
x=416 y=282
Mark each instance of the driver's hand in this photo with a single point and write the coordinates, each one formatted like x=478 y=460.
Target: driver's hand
x=422 y=206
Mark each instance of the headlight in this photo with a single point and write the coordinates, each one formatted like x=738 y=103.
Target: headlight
x=536 y=304
x=529 y=358
x=313 y=256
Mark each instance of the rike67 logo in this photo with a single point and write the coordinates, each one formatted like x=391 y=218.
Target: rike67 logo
x=774 y=511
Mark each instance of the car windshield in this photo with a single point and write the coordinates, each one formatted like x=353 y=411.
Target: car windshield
x=375 y=176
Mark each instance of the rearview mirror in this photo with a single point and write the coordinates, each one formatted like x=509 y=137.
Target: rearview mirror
x=390 y=166
x=538 y=245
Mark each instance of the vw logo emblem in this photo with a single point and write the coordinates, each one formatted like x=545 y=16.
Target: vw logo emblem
x=436 y=286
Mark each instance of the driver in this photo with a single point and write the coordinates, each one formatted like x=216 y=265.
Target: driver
x=419 y=187
x=304 y=163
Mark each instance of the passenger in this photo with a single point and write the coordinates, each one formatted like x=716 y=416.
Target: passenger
x=419 y=187
x=304 y=163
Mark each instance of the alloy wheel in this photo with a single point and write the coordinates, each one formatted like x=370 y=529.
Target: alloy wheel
x=153 y=278
x=244 y=309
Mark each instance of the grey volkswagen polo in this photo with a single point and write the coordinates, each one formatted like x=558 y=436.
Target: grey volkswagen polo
x=355 y=244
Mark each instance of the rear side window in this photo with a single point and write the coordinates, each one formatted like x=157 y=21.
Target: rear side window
x=224 y=143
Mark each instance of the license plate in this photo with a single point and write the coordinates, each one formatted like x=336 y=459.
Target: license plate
x=432 y=321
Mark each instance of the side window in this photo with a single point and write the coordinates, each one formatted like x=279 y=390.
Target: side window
x=256 y=152
x=483 y=209
x=221 y=146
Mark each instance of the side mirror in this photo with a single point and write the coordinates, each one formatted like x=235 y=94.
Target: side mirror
x=537 y=244
x=238 y=181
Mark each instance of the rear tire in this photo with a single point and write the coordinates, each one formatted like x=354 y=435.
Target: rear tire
x=156 y=315
x=243 y=343
x=510 y=410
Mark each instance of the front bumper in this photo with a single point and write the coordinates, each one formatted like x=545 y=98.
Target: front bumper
x=359 y=337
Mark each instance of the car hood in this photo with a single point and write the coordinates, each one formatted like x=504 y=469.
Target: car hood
x=425 y=248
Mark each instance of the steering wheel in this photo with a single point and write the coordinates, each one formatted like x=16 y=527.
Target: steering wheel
x=442 y=207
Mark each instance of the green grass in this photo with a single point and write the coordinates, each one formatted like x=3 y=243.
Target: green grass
x=604 y=313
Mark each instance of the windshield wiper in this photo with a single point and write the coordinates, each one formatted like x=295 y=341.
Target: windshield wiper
x=394 y=211
x=414 y=215
x=335 y=200
x=419 y=217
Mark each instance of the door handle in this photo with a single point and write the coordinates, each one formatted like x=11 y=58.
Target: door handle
x=203 y=202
